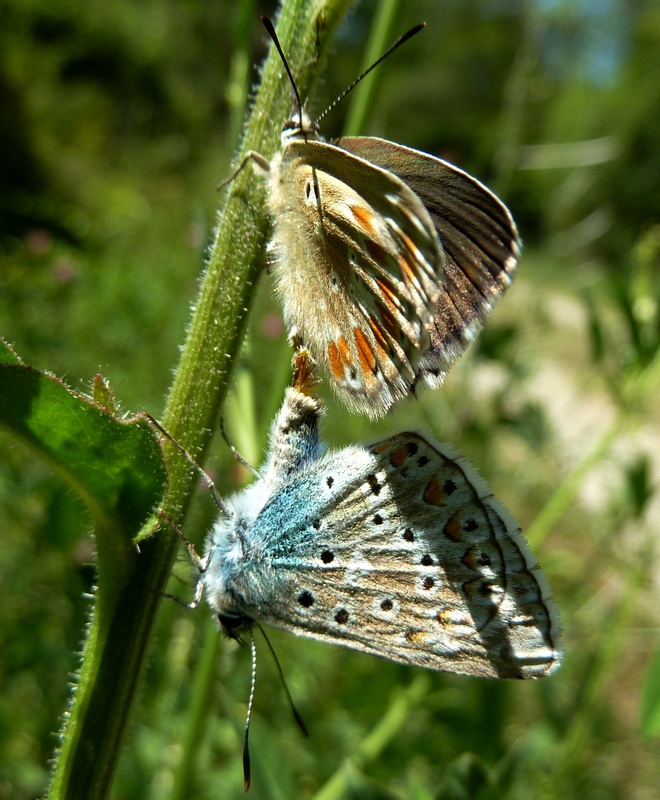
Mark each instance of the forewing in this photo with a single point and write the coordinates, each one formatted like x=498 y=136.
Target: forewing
x=359 y=268
x=478 y=235
x=406 y=555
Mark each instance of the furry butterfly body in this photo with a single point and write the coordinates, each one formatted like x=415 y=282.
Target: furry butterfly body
x=397 y=549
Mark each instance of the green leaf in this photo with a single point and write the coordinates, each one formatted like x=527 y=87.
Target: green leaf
x=7 y=354
x=116 y=465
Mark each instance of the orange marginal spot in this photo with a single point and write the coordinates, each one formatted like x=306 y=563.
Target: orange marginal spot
x=389 y=322
x=444 y=617
x=415 y=637
x=365 y=218
x=344 y=351
x=365 y=352
x=412 y=247
x=470 y=559
x=407 y=270
x=379 y=336
x=434 y=493
x=334 y=358
x=380 y=448
x=388 y=294
x=452 y=529
x=399 y=456
x=477 y=588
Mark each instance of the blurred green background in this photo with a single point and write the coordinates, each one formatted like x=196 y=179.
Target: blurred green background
x=117 y=122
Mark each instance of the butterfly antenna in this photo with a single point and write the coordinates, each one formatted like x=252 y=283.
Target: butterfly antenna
x=247 y=771
x=401 y=40
x=207 y=478
x=294 y=710
x=268 y=25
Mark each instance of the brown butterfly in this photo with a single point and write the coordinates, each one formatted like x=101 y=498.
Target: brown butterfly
x=387 y=259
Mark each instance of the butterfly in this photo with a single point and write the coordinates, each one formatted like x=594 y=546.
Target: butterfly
x=387 y=260
x=397 y=549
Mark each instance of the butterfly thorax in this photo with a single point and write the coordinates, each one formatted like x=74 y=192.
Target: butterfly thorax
x=225 y=556
x=232 y=554
x=238 y=580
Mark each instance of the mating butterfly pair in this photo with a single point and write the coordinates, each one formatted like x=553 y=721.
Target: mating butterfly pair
x=387 y=261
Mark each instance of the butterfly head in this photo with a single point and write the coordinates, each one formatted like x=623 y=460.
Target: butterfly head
x=299 y=126
x=222 y=579
x=233 y=625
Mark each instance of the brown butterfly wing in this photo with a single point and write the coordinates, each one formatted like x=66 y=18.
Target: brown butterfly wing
x=478 y=236
x=359 y=268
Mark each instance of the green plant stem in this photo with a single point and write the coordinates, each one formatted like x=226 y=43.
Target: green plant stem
x=378 y=738
x=122 y=621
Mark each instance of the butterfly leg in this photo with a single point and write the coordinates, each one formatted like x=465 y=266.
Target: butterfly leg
x=207 y=478
x=261 y=162
x=201 y=564
x=198 y=561
x=304 y=366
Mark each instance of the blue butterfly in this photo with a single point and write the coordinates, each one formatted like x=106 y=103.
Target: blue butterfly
x=396 y=549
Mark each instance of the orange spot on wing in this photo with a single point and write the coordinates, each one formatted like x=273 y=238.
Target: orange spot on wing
x=434 y=493
x=477 y=588
x=388 y=294
x=389 y=322
x=365 y=352
x=415 y=637
x=412 y=247
x=407 y=271
x=365 y=218
x=334 y=359
x=444 y=617
x=344 y=351
x=379 y=336
x=453 y=529
x=380 y=448
x=469 y=559
x=399 y=456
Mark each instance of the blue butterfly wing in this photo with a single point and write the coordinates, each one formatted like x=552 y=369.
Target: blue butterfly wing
x=399 y=550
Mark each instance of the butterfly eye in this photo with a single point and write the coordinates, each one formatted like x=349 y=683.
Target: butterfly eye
x=234 y=624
